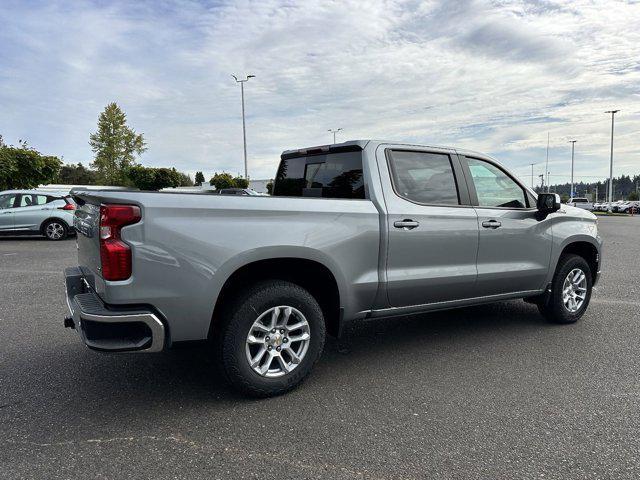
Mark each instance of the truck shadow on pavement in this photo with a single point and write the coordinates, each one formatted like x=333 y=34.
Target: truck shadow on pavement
x=123 y=388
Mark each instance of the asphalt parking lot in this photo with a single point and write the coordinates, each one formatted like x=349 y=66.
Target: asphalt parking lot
x=484 y=392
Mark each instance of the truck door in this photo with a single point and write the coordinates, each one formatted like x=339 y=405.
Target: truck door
x=515 y=242
x=432 y=228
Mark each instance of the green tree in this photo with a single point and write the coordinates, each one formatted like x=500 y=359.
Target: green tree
x=76 y=175
x=240 y=182
x=185 y=180
x=24 y=167
x=199 y=178
x=148 y=178
x=270 y=187
x=222 y=180
x=115 y=145
x=633 y=196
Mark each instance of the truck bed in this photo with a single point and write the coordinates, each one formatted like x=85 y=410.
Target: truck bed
x=186 y=246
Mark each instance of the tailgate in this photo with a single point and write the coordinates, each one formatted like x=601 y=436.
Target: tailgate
x=87 y=224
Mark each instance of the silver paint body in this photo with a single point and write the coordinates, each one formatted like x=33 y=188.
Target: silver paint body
x=187 y=246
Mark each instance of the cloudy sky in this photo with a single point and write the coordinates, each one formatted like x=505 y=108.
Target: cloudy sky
x=491 y=76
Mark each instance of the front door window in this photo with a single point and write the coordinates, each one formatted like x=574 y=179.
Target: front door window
x=494 y=187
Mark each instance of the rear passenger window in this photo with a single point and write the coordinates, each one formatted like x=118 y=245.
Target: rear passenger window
x=28 y=200
x=424 y=177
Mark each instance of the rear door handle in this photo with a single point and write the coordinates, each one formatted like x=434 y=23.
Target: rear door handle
x=406 y=224
x=491 y=224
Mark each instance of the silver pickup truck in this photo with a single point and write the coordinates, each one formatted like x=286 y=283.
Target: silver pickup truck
x=353 y=231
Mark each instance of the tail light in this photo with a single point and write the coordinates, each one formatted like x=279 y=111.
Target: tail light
x=68 y=206
x=115 y=254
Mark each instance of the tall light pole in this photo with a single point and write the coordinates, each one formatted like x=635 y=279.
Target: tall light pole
x=244 y=128
x=547 y=167
x=532 y=175
x=573 y=144
x=612 y=112
x=334 y=133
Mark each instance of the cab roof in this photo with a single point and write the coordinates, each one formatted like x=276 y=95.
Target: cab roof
x=358 y=145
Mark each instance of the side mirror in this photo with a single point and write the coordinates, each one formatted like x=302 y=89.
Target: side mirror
x=548 y=202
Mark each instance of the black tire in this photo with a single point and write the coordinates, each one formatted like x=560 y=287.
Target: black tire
x=239 y=317
x=554 y=309
x=55 y=230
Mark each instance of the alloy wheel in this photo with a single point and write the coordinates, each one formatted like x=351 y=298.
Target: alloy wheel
x=277 y=341
x=574 y=290
x=54 y=231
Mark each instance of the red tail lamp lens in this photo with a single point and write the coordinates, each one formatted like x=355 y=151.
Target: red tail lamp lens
x=115 y=254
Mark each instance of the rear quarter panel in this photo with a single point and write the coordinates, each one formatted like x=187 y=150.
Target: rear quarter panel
x=187 y=246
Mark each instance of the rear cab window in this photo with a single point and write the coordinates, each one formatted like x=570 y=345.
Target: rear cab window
x=321 y=174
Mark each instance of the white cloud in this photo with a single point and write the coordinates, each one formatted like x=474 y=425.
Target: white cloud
x=491 y=76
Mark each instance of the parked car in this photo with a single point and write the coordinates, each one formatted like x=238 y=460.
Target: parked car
x=29 y=212
x=580 y=202
x=353 y=231
x=613 y=206
x=629 y=207
x=616 y=206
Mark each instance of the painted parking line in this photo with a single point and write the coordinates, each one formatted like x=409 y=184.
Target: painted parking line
x=31 y=272
x=613 y=301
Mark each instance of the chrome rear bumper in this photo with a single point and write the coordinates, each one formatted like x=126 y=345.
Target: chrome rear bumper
x=107 y=328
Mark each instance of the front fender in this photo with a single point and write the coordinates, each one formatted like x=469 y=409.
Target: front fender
x=569 y=230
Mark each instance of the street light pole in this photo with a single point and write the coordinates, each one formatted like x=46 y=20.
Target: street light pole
x=547 y=166
x=244 y=128
x=334 y=133
x=612 y=112
x=573 y=144
x=532 y=175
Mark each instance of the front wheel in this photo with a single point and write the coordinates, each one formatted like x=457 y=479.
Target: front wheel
x=270 y=338
x=570 y=291
x=55 y=230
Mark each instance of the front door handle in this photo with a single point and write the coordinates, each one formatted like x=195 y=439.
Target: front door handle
x=491 y=224
x=406 y=224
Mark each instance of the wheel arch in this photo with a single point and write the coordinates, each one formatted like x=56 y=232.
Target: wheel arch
x=325 y=283
x=584 y=246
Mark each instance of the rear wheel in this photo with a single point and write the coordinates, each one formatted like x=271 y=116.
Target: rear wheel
x=570 y=291
x=55 y=230
x=270 y=338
